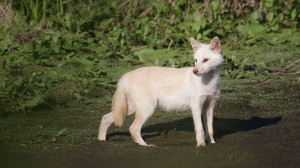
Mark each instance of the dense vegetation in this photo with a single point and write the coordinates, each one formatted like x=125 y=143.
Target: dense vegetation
x=54 y=51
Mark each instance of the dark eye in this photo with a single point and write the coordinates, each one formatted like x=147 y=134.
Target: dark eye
x=195 y=60
x=205 y=60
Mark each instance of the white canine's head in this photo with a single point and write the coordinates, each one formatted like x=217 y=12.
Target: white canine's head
x=207 y=57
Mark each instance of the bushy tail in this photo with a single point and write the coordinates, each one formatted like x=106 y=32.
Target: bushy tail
x=119 y=105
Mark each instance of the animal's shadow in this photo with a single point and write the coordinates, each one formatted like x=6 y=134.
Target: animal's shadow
x=222 y=126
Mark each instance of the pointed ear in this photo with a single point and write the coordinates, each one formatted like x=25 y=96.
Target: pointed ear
x=215 y=45
x=195 y=44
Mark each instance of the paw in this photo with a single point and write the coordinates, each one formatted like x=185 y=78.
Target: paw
x=201 y=145
x=101 y=138
x=148 y=145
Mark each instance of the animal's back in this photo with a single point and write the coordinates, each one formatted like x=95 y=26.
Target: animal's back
x=158 y=78
x=170 y=87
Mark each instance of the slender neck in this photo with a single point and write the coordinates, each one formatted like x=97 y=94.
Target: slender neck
x=212 y=75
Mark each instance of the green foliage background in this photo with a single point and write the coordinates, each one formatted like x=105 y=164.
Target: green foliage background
x=54 y=51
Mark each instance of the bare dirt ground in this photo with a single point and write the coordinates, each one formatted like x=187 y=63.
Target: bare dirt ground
x=256 y=125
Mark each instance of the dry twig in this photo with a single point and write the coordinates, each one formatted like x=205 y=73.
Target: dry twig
x=208 y=10
x=172 y=3
x=170 y=44
x=146 y=12
x=123 y=4
x=139 y=48
x=288 y=67
x=6 y=14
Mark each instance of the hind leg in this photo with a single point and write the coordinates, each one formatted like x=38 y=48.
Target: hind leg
x=106 y=121
x=135 y=129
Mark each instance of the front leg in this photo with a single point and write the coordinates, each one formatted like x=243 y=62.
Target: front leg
x=209 y=118
x=196 y=111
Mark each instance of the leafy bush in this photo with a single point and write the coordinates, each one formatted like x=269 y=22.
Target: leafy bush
x=54 y=51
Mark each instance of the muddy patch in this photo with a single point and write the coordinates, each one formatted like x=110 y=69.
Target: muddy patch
x=251 y=130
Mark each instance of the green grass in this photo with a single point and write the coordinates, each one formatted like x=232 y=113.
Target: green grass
x=52 y=52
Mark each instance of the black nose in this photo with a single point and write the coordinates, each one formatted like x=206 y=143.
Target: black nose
x=195 y=71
